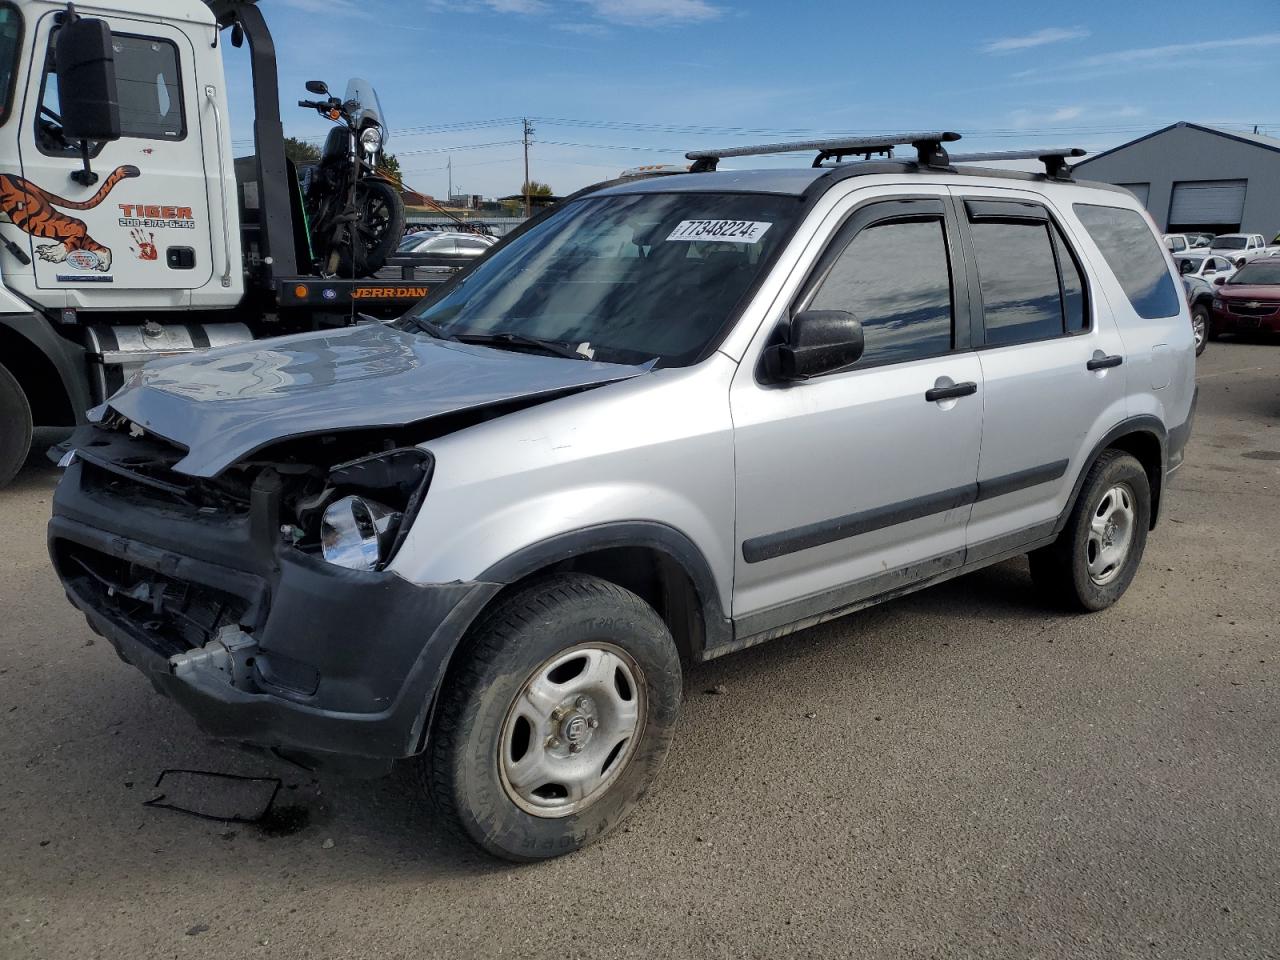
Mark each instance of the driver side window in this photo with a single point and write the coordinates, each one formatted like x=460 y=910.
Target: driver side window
x=148 y=84
x=895 y=278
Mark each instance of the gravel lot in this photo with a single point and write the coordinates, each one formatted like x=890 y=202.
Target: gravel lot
x=958 y=773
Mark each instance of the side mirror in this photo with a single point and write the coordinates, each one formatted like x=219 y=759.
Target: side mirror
x=1186 y=266
x=86 y=65
x=817 y=342
x=318 y=87
x=1219 y=281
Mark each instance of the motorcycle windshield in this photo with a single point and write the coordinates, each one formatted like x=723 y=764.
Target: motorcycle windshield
x=363 y=93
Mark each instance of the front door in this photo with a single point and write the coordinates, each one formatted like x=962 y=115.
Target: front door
x=860 y=481
x=144 y=224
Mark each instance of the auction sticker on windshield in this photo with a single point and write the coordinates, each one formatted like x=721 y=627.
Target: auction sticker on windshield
x=726 y=231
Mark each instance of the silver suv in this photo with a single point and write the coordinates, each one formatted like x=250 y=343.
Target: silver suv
x=670 y=419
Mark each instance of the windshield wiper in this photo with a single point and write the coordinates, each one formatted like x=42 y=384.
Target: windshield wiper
x=555 y=348
x=430 y=328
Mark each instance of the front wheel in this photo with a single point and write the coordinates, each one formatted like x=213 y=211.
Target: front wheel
x=378 y=228
x=556 y=718
x=1200 y=322
x=1096 y=556
x=15 y=427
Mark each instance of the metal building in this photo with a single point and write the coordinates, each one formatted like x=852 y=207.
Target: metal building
x=1195 y=177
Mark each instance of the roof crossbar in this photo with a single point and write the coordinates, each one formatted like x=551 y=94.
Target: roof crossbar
x=1055 y=160
x=929 y=149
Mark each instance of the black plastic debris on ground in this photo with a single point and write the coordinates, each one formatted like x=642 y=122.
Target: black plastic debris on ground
x=225 y=797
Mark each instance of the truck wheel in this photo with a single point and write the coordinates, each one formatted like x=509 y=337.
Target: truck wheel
x=1200 y=324
x=15 y=427
x=1094 y=559
x=555 y=719
x=377 y=232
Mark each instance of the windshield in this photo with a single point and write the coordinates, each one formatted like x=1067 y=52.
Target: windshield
x=624 y=279
x=10 y=39
x=1259 y=271
x=363 y=93
x=1230 y=243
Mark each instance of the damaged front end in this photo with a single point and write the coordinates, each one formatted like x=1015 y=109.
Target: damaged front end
x=238 y=596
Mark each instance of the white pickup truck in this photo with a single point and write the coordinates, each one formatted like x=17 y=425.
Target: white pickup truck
x=1242 y=246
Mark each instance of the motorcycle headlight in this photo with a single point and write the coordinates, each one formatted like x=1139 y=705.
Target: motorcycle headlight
x=356 y=533
x=371 y=139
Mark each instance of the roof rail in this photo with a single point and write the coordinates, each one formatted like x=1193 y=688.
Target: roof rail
x=929 y=149
x=1055 y=160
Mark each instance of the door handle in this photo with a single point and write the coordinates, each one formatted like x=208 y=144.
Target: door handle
x=934 y=394
x=1101 y=361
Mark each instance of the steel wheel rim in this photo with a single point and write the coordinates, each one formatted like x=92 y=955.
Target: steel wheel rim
x=1111 y=530
x=1198 y=325
x=572 y=729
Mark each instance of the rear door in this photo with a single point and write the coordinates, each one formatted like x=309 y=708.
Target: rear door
x=144 y=224
x=1052 y=365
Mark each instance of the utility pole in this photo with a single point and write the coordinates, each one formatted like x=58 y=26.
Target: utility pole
x=449 y=164
x=528 y=132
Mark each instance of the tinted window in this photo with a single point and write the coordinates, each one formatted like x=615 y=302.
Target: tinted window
x=10 y=38
x=147 y=84
x=895 y=278
x=1257 y=271
x=1133 y=256
x=1018 y=278
x=1075 y=306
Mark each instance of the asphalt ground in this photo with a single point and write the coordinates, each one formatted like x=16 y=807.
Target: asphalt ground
x=956 y=773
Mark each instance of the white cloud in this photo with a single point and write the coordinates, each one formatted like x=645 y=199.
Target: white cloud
x=1038 y=39
x=646 y=13
x=582 y=29
x=1172 y=50
x=516 y=6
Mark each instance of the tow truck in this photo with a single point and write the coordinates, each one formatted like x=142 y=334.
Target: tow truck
x=127 y=228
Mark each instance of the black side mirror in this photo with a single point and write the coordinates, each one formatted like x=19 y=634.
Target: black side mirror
x=1219 y=281
x=318 y=87
x=86 y=65
x=1185 y=266
x=817 y=342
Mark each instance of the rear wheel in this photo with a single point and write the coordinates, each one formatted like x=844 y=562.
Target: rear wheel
x=15 y=427
x=555 y=720
x=374 y=235
x=1096 y=556
x=1200 y=325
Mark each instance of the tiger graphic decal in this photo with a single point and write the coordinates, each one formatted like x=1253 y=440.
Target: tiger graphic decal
x=31 y=210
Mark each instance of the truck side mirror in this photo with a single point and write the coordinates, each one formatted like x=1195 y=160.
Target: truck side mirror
x=89 y=104
x=817 y=342
x=318 y=87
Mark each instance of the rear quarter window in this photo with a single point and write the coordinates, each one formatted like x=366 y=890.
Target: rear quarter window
x=1134 y=256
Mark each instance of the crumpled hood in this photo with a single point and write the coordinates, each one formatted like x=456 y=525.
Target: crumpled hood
x=222 y=405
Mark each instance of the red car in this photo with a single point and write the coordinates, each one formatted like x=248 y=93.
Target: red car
x=1249 y=300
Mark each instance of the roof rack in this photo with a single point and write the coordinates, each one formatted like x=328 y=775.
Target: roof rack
x=1055 y=160
x=929 y=149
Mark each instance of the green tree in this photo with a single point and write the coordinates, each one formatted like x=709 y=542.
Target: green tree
x=391 y=164
x=536 y=189
x=299 y=151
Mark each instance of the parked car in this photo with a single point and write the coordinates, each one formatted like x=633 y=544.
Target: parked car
x=1241 y=247
x=1249 y=302
x=1206 y=266
x=1200 y=294
x=671 y=418
x=446 y=244
x=1182 y=242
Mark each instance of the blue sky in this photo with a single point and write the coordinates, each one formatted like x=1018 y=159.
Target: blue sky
x=616 y=83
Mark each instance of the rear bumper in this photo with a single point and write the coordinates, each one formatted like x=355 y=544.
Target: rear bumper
x=337 y=665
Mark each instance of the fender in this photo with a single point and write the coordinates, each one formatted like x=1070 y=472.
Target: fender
x=630 y=533
x=1143 y=423
x=67 y=358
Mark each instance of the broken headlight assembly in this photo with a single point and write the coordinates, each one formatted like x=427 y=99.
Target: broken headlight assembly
x=370 y=505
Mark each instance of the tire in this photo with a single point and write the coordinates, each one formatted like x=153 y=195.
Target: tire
x=1116 y=482
x=527 y=706
x=1201 y=321
x=377 y=231
x=15 y=427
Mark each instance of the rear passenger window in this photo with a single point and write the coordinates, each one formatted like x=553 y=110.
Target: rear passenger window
x=896 y=279
x=1018 y=277
x=1133 y=256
